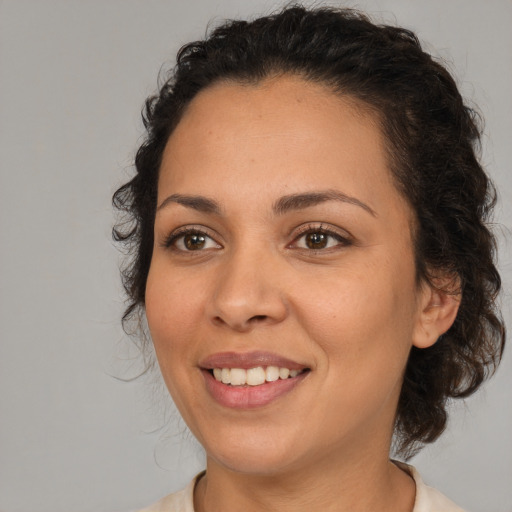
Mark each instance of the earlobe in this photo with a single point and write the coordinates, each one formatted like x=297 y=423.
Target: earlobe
x=440 y=304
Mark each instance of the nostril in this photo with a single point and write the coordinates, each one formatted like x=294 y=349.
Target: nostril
x=242 y=325
x=218 y=320
x=258 y=318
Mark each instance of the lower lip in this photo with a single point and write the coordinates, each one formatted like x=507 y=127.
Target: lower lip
x=249 y=397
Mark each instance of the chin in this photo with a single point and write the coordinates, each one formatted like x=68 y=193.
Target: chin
x=256 y=456
x=256 y=464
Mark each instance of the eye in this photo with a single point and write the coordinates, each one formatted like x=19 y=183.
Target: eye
x=190 y=240
x=320 y=238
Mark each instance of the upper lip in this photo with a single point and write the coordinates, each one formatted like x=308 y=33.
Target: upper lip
x=246 y=360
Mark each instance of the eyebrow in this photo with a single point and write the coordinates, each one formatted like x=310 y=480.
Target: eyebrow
x=308 y=199
x=281 y=206
x=199 y=203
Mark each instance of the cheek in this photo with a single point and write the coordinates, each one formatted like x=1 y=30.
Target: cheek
x=172 y=298
x=172 y=316
x=361 y=317
x=172 y=310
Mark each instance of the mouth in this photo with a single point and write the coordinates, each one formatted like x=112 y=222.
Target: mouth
x=250 y=380
x=254 y=376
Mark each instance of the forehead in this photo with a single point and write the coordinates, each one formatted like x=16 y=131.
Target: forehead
x=289 y=104
x=284 y=135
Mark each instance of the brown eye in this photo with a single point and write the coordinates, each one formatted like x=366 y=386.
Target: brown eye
x=194 y=241
x=190 y=240
x=320 y=239
x=316 y=240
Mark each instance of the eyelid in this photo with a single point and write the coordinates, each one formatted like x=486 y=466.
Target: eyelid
x=343 y=236
x=170 y=239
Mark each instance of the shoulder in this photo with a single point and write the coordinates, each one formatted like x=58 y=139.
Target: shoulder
x=428 y=499
x=181 y=501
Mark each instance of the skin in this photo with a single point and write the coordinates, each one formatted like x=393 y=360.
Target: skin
x=350 y=312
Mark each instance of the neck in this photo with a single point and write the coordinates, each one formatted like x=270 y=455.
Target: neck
x=331 y=485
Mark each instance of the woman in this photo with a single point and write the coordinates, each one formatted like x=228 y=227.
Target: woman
x=311 y=253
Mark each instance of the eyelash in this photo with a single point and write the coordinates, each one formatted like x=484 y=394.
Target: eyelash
x=344 y=241
x=170 y=241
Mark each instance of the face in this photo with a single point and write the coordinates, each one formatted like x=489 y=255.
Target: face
x=281 y=297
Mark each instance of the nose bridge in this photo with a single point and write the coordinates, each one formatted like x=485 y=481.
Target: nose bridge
x=248 y=290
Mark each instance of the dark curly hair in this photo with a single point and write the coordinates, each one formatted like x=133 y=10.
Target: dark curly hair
x=432 y=140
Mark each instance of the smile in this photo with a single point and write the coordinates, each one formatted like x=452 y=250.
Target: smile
x=253 y=376
x=250 y=380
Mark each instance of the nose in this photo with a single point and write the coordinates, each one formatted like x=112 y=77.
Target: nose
x=248 y=293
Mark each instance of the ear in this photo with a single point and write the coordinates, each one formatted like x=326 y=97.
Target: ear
x=439 y=304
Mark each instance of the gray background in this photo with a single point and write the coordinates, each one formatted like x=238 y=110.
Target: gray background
x=73 y=76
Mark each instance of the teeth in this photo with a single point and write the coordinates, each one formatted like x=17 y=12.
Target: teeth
x=272 y=374
x=225 y=376
x=253 y=376
x=238 y=376
x=283 y=373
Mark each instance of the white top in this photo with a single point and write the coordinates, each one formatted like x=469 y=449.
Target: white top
x=427 y=499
